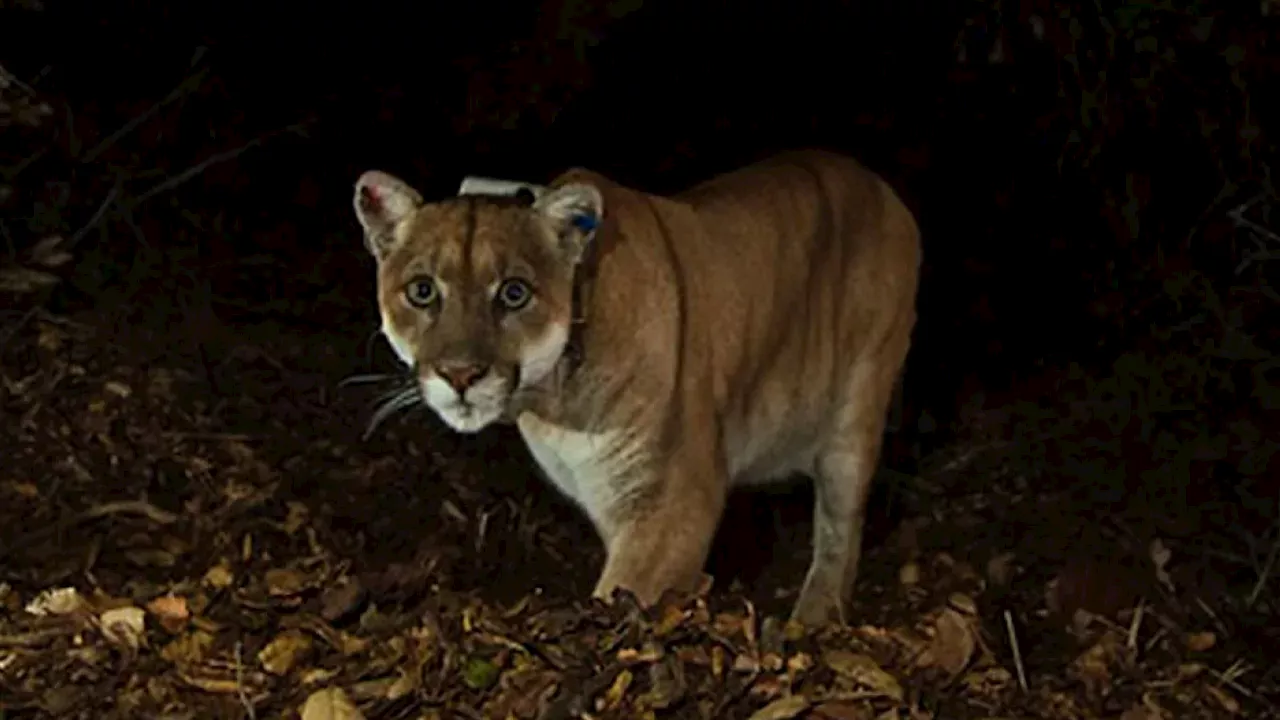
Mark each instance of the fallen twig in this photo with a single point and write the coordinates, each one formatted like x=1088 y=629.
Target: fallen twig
x=188 y=84
x=1237 y=217
x=17 y=326
x=95 y=219
x=126 y=507
x=1136 y=624
x=1230 y=676
x=240 y=691
x=1017 y=653
x=37 y=638
x=174 y=181
x=229 y=437
x=122 y=507
x=1265 y=574
x=1217 y=622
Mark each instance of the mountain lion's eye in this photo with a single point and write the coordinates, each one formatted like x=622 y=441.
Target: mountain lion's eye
x=421 y=292
x=514 y=294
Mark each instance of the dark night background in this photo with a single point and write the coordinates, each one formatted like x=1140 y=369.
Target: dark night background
x=1093 y=370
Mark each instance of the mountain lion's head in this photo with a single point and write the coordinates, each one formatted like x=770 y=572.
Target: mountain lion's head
x=475 y=292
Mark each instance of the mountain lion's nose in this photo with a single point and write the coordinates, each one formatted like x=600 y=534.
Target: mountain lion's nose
x=462 y=375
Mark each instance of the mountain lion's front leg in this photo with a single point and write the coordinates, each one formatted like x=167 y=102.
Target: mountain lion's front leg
x=662 y=542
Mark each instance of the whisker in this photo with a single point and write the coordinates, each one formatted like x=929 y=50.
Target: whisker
x=365 y=379
x=395 y=392
x=395 y=402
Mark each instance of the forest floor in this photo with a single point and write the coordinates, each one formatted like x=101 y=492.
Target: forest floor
x=196 y=528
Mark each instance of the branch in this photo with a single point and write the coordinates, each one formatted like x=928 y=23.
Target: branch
x=97 y=217
x=188 y=84
x=174 y=181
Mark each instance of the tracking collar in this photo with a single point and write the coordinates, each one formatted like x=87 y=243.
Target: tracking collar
x=583 y=273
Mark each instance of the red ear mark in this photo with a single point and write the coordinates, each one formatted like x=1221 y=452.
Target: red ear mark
x=369 y=200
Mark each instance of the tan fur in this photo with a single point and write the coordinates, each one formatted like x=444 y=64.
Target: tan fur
x=741 y=331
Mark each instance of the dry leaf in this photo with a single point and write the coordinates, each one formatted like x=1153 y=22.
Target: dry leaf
x=909 y=573
x=1093 y=667
x=953 y=643
x=283 y=582
x=963 y=603
x=330 y=704
x=284 y=651
x=218 y=682
x=219 y=577
x=47 y=252
x=1081 y=619
x=647 y=653
x=151 y=557
x=771 y=662
x=843 y=711
x=341 y=599
x=613 y=697
x=373 y=689
x=1000 y=568
x=349 y=644
x=863 y=671
x=767 y=687
x=317 y=675
x=25 y=489
x=124 y=626
x=50 y=337
x=1160 y=556
x=988 y=682
x=672 y=617
x=1145 y=710
x=717 y=662
x=1201 y=641
x=727 y=624
x=117 y=388
x=800 y=662
x=1223 y=698
x=56 y=601
x=407 y=682
x=188 y=649
x=746 y=664
x=480 y=673
x=171 y=611
x=297 y=517
x=1187 y=671
x=667 y=684
x=782 y=708
x=525 y=695
x=20 y=280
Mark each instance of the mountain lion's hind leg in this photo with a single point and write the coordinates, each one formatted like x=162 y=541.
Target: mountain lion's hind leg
x=842 y=484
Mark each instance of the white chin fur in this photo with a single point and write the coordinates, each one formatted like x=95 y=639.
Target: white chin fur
x=542 y=356
x=483 y=405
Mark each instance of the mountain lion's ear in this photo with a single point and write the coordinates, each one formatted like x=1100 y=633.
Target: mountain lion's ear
x=381 y=202
x=573 y=211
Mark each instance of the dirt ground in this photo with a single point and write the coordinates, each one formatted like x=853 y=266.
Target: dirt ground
x=194 y=524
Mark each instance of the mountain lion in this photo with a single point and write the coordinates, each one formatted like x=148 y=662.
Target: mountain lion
x=656 y=351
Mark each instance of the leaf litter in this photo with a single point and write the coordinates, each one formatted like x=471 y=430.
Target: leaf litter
x=235 y=601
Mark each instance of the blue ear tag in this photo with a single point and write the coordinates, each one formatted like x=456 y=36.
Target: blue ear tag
x=585 y=223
